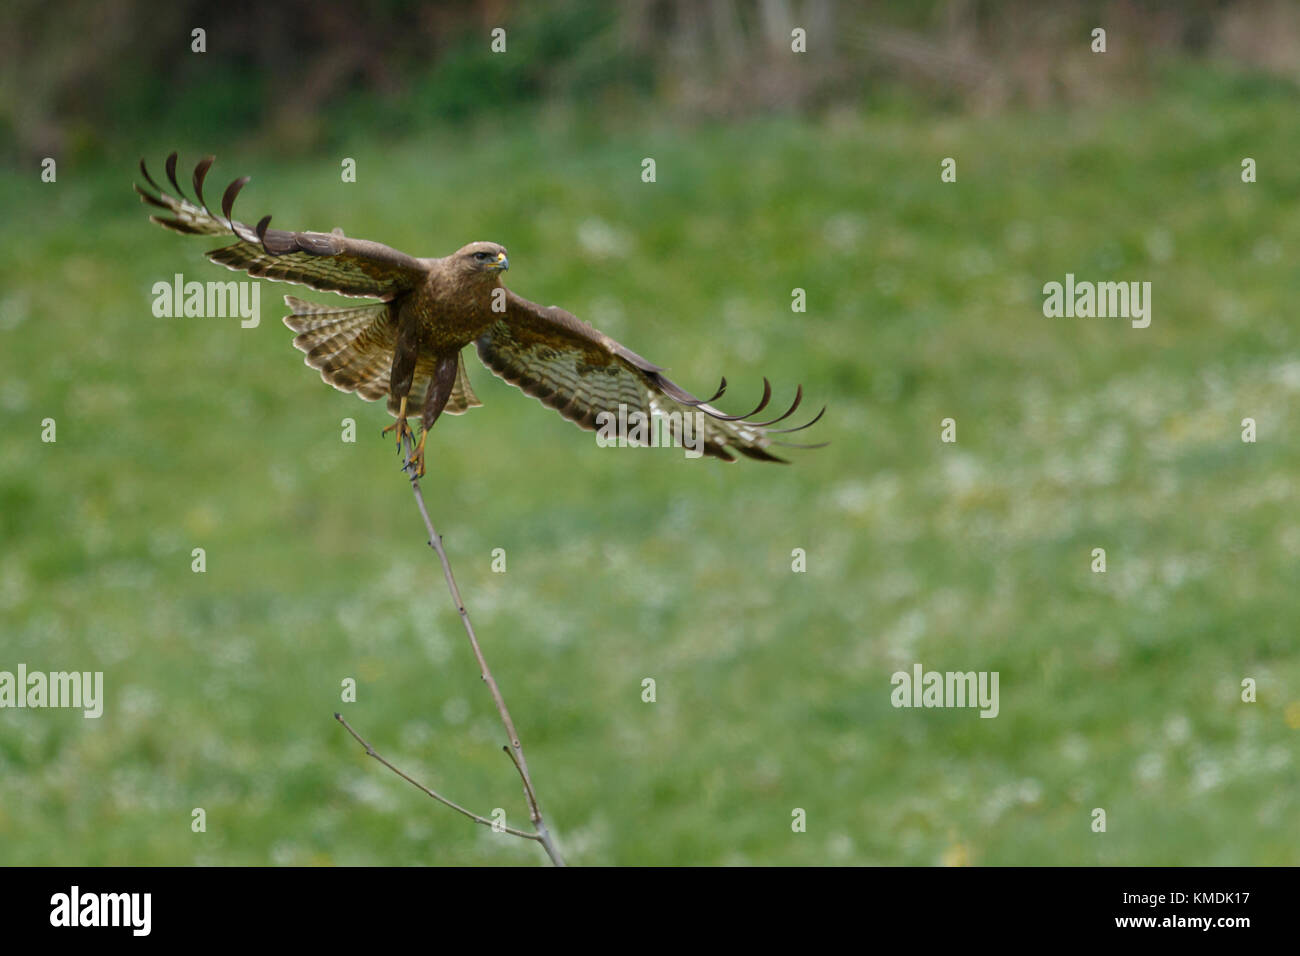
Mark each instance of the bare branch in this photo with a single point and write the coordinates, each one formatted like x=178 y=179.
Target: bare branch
x=437 y=796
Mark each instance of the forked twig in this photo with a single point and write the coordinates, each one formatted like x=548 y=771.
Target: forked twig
x=433 y=793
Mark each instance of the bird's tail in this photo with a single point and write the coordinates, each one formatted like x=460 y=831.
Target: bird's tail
x=462 y=396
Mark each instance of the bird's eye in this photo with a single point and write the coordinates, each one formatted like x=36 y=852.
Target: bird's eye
x=481 y=256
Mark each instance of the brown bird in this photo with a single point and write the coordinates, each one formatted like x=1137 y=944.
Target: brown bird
x=429 y=310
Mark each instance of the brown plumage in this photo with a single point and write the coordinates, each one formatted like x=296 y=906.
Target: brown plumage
x=408 y=345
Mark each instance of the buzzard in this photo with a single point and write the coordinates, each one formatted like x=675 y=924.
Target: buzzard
x=409 y=343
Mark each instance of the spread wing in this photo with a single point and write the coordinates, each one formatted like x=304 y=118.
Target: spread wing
x=321 y=260
x=581 y=373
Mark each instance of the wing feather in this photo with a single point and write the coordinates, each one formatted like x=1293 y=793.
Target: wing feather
x=330 y=262
x=581 y=373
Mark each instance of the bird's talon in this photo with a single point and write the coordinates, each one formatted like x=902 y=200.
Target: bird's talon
x=403 y=431
x=417 y=455
x=399 y=425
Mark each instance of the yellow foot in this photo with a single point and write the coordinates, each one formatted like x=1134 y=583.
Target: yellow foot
x=417 y=457
x=400 y=426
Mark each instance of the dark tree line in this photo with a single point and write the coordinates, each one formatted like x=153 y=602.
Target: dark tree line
x=76 y=72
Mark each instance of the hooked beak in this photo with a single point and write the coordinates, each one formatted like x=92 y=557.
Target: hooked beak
x=502 y=263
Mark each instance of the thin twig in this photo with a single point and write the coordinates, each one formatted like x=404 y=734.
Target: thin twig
x=437 y=796
x=515 y=749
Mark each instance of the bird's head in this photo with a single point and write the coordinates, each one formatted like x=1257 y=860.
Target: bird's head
x=481 y=259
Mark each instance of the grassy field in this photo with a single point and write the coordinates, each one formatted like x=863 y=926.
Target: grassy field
x=1118 y=690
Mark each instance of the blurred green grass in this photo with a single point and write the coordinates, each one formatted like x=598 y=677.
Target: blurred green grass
x=1118 y=690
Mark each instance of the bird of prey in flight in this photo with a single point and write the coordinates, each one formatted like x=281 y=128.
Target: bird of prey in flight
x=407 y=346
